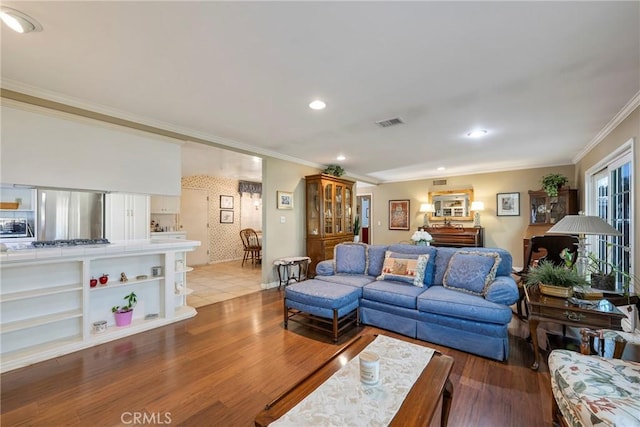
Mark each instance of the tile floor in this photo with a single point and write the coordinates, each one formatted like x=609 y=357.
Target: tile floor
x=222 y=281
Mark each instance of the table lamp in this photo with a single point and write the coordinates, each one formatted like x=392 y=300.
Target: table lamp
x=427 y=208
x=476 y=207
x=582 y=225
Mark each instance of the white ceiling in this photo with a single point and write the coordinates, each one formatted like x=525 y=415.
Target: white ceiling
x=544 y=78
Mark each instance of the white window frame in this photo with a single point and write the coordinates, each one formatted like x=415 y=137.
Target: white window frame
x=622 y=155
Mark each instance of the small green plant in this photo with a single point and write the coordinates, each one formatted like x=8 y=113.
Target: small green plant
x=550 y=274
x=335 y=170
x=131 y=299
x=356 y=226
x=552 y=182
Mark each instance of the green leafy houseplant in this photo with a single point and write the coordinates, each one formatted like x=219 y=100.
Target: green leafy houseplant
x=549 y=274
x=552 y=182
x=131 y=299
x=356 y=226
x=335 y=170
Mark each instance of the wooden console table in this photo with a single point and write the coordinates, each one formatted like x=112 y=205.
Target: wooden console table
x=455 y=235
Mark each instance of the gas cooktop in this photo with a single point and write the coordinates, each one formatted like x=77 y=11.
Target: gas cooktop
x=72 y=242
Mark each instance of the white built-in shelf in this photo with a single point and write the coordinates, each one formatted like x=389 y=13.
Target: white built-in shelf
x=12 y=356
x=111 y=285
x=15 y=296
x=40 y=320
x=17 y=210
x=186 y=270
x=186 y=291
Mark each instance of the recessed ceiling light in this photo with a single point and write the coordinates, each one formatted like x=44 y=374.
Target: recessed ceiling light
x=478 y=133
x=18 y=21
x=441 y=168
x=340 y=158
x=317 y=105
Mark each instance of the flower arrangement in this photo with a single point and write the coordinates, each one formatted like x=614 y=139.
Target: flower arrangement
x=421 y=237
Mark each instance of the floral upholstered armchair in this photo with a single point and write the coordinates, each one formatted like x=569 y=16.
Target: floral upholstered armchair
x=594 y=391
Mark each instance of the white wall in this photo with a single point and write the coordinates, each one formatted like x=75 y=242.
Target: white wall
x=42 y=147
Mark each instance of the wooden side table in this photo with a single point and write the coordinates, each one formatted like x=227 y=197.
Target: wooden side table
x=600 y=314
x=290 y=266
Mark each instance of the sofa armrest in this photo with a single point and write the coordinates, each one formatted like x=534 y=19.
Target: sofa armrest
x=325 y=268
x=503 y=290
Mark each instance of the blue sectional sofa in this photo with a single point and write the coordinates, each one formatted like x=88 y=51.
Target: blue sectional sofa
x=458 y=298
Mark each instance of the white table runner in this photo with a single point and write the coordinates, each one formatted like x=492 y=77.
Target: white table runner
x=343 y=400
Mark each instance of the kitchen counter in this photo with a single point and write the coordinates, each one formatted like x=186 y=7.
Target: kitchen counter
x=168 y=235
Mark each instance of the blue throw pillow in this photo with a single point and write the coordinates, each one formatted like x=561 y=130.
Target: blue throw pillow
x=350 y=258
x=471 y=272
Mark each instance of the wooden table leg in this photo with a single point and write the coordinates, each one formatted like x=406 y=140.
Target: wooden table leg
x=620 y=344
x=533 y=329
x=447 y=397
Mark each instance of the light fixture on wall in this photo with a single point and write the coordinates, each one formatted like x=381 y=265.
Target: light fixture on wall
x=257 y=204
x=18 y=21
x=582 y=225
x=476 y=207
x=427 y=208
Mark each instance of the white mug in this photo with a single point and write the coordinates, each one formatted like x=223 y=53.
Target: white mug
x=369 y=368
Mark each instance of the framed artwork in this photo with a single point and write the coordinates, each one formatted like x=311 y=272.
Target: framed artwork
x=399 y=214
x=226 y=217
x=226 y=202
x=285 y=200
x=508 y=204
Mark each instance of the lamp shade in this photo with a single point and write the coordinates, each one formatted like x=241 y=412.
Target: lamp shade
x=583 y=224
x=477 y=206
x=427 y=207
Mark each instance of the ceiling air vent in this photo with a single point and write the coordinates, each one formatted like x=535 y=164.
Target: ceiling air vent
x=390 y=122
x=439 y=182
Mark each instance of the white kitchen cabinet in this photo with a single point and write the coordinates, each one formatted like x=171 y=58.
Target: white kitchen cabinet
x=165 y=205
x=47 y=307
x=127 y=216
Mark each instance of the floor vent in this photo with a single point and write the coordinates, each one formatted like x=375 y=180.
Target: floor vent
x=439 y=182
x=390 y=122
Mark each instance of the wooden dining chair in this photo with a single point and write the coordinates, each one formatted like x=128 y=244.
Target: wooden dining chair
x=252 y=246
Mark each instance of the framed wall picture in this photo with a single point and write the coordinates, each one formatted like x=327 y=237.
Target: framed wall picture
x=399 y=214
x=226 y=202
x=226 y=217
x=508 y=204
x=285 y=200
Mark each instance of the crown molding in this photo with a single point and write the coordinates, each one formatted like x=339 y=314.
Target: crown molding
x=633 y=103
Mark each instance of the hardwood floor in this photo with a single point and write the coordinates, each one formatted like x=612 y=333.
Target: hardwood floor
x=221 y=368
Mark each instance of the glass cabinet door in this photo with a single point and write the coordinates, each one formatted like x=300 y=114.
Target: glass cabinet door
x=339 y=209
x=538 y=210
x=313 y=208
x=557 y=208
x=329 y=213
x=348 y=214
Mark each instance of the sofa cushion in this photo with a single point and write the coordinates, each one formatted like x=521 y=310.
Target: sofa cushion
x=321 y=294
x=414 y=250
x=350 y=258
x=355 y=280
x=376 y=259
x=392 y=292
x=408 y=269
x=471 y=271
x=447 y=302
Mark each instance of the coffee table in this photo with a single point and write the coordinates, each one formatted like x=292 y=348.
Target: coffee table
x=427 y=403
x=600 y=314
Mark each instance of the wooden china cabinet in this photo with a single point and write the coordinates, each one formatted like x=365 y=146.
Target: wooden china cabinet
x=329 y=204
x=545 y=211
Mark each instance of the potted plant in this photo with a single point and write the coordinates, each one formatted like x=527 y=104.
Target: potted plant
x=602 y=273
x=356 y=229
x=552 y=182
x=554 y=280
x=123 y=314
x=335 y=170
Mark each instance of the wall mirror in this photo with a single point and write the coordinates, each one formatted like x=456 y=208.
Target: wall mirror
x=452 y=205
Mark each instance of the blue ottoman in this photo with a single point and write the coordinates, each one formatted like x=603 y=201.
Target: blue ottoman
x=321 y=305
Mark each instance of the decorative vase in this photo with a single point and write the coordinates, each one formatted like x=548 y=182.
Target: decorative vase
x=356 y=238
x=123 y=318
x=555 y=291
x=603 y=281
x=423 y=243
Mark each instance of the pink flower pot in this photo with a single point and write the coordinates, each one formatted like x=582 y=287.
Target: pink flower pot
x=123 y=319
